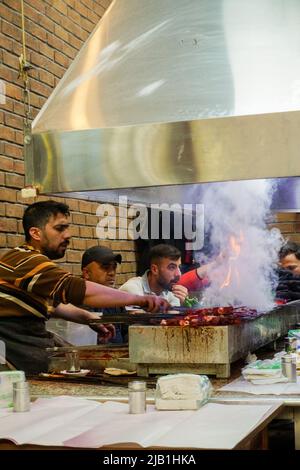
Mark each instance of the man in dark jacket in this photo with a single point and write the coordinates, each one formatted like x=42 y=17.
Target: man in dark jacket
x=289 y=273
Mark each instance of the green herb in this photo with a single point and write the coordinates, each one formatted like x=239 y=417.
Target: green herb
x=190 y=301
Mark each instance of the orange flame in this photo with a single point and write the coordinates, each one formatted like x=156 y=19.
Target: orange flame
x=235 y=245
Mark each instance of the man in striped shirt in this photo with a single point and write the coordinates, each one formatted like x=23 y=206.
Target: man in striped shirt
x=33 y=288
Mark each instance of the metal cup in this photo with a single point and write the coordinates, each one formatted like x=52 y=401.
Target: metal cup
x=73 y=363
x=21 y=397
x=137 y=397
x=289 y=368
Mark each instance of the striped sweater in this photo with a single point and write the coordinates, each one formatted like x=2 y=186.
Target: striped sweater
x=32 y=284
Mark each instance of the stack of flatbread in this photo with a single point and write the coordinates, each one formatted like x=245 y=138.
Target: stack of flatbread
x=264 y=372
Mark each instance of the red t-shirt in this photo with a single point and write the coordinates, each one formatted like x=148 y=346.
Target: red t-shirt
x=192 y=281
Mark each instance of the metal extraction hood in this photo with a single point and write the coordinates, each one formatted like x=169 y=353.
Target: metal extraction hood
x=177 y=92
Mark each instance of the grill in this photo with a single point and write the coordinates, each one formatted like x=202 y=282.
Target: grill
x=158 y=349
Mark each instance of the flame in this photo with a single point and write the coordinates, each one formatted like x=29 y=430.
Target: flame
x=235 y=248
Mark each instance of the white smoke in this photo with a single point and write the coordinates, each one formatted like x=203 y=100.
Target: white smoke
x=244 y=271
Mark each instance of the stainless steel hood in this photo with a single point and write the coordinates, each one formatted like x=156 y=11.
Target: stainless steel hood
x=176 y=92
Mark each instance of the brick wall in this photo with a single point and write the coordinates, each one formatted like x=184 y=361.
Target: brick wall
x=55 y=31
x=289 y=225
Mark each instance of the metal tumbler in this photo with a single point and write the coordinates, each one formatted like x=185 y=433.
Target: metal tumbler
x=289 y=368
x=21 y=397
x=137 y=397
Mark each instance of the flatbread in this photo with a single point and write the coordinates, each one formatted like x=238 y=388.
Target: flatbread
x=115 y=371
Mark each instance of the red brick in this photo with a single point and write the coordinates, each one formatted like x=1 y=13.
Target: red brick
x=78 y=219
x=11 y=60
x=6 y=43
x=105 y=3
x=74 y=15
x=38 y=5
x=33 y=15
x=55 y=42
x=69 y=51
x=75 y=231
x=73 y=204
x=6 y=164
x=94 y=17
x=14 y=181
x=88 y=3
x=34 y=100
x=36 y=31
x=92 y=220
x=86 y=232
x=56 y=69
x=15 y=240
x=54 y=15
x=61 y=33
x=74 y=256
x=75 y=42
x=19 y=167
x=17 y=48
x=46 y=50
x=1 y=178
x=8 y=225
x=19 y=138
x=94 y=242
x=34 y=73
x=294 y=237
x=14 y=91
x=9 y=104
x=47 y=23
x=88 y=25
x=6 y=13
x=18 y=108
x=6 y=133
x=8 y=74
x=14 y=4
x=78 y=244
x=14 y=151
x=40 y=60
x=100 y=10
x=286 y=216
x=32 y=43
x=20 y=226
x=40 y=88
x=46 y=77
x=127 y=268
x=14 y=121
x=14 y=210
x=62 y=59
x=95 y=206
x=85 y=206
x=11 y=31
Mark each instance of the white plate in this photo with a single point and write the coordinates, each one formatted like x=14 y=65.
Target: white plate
x=81 y=373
